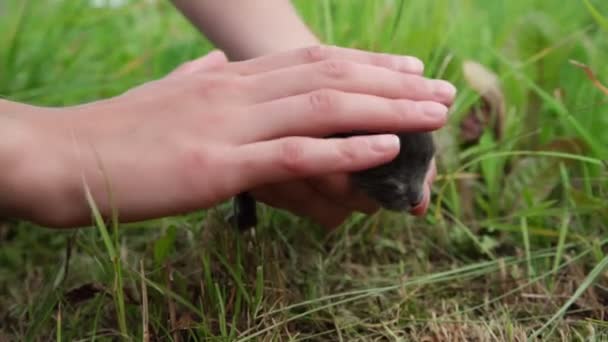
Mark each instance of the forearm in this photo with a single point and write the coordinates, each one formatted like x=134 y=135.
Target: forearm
x=248 y=29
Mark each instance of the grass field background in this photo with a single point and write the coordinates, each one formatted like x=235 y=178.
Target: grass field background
x=513 y=247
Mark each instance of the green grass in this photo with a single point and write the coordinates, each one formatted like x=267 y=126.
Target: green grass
x=513 y=247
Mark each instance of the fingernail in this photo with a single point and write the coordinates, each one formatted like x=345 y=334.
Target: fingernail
x=411 y=64
x=435 y=110
x=445 y=90
x=385 y=142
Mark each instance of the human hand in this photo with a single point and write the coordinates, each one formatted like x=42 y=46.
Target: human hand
x=212 y=129
x=330 y=199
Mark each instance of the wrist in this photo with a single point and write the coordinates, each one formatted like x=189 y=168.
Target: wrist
x=248 y=29
x=33 y=181
x=15 y=146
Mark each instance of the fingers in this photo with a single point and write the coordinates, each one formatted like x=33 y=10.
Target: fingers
x=292 y=158
x=350 y=77
x=299 y=198
x=323 y=113
x=314 y=54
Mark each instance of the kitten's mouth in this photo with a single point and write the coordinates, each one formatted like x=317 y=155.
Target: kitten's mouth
x=402 y=205
x=399 y=206
x=415 y=199
x=414 y=206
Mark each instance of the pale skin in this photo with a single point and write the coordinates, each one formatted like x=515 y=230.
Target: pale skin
x=215 y=127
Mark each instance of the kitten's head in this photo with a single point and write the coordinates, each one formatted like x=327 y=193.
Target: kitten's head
x=399 y=184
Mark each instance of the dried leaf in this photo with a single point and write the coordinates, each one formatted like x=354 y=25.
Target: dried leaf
x=491 y=111
x=473 y=125
x=185 y=322
x=591 y=76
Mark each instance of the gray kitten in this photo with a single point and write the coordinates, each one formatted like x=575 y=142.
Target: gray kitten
x=397 y=185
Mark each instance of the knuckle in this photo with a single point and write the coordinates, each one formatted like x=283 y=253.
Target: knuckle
x=323 y=101
x=291 y=156
x=191 y=162
x=219 y=84
x=316 y=53
x=401 y=111
x=405 y=108
x=194 y=159
x=414 y=85
x=350 y=150
x=384 y=60
x=335 y=69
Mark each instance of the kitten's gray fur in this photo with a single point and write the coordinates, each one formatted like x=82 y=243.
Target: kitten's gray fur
x=399 y=184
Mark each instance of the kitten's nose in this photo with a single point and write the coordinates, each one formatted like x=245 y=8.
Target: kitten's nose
x=414 y=197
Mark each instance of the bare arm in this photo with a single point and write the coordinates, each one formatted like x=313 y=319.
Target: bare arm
x=248 y=29
x=46 y=152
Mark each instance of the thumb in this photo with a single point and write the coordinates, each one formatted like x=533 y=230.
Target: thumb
x=294 y=158
x=210 y=61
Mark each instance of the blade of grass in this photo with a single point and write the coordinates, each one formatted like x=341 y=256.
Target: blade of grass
x=526 y=238
x=595 y=13
x=529 y=283
x=397 y=19
x=448 y=178
x=118 y=287
x=464 y=272
x=559 y=108
x=144 y=303
x=99 y=304
x=563 y=232
x=15 y=41
x=179 y=299
x=328 y=22
x=472 y=236
x=589 y=280
x=235 y=276
x=59 y=323
x=259 y=289
x=221 y=310
x=115 y=259
x=591 y=75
